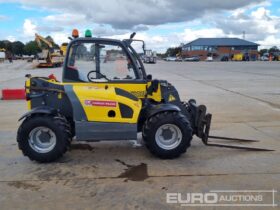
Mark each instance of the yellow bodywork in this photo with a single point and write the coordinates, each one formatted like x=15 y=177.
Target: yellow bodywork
x=97 y=99
x=98 y=102
x=137 y=89
x=27 y=85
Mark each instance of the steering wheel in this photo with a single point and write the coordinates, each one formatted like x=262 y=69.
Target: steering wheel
x=91 y=78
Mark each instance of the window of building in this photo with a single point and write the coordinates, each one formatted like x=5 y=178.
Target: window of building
x=197 y=47
x=245 y=48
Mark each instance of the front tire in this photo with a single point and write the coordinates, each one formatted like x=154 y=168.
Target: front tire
x=44 y=138
x=167 y=135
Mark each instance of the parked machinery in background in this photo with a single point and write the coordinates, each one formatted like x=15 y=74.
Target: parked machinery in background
x=237 y=57
x=210 y=57
x=275 y=56
x=150 y=56
x=170 y=58
x=246 y=57
x=2 y=55
x=63 y=48
x=265 y=57
x=241 y=57
x=225 y=57
x=179 y=57
x=49 y=57
x=192 y=58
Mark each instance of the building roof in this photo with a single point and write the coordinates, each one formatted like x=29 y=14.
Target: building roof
x=220 y=42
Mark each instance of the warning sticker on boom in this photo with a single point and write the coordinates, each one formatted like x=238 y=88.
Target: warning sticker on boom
x=100 y=103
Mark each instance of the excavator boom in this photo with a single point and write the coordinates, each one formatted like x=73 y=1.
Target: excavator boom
x=39 y=39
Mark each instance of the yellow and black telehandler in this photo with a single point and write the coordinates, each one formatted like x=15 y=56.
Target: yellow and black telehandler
x=105 y=94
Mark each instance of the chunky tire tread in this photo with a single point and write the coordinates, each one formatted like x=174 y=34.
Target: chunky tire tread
x=153 y=123
x=57 y=124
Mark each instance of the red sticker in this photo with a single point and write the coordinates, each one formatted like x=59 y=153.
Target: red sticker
x=100 y=103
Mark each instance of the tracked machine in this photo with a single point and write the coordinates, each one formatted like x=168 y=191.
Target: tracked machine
x=49 y=57
x=102 y=98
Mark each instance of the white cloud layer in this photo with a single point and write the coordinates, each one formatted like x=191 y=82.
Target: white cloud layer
x=126 y=14
x=65 y=19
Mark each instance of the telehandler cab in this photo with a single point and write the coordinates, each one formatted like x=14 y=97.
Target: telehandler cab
x=105 y=94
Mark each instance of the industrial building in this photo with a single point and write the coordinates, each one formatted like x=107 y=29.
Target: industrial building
x=220 y=47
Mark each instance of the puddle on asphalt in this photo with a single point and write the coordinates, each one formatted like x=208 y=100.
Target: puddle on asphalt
x=134 y=173
x=25 y=186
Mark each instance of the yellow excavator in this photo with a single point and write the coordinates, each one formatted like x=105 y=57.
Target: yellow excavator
x=49 y=57
x=63 y=48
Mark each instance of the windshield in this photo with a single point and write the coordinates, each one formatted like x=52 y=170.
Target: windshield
x=98 y=62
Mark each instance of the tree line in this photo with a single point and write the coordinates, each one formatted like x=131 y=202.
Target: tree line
x=19 y=48
x=270 y=50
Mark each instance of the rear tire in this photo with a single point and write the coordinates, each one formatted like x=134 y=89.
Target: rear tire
x=44 y=138
x=167 y=135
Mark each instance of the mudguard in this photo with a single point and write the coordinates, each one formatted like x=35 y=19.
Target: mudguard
x=149 y=110
x=152 y=110
x=39 y=110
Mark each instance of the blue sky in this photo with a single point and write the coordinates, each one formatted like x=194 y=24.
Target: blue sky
x=161 y=23
x=14 y=16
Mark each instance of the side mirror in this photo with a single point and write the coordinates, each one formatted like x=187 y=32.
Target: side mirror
x=149 y=77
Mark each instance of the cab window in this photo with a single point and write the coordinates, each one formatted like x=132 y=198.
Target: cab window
x=98 y=62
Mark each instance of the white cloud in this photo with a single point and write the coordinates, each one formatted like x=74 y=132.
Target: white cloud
x=258 y=25
x=190 y=35
x=49 y=28
x=269 y=41
x=65 y=19
x=29 y=28
x=11 y=38
x=261 y=14
x=60 y=37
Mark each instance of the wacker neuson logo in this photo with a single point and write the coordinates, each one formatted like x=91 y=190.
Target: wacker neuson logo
x=224 y=198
